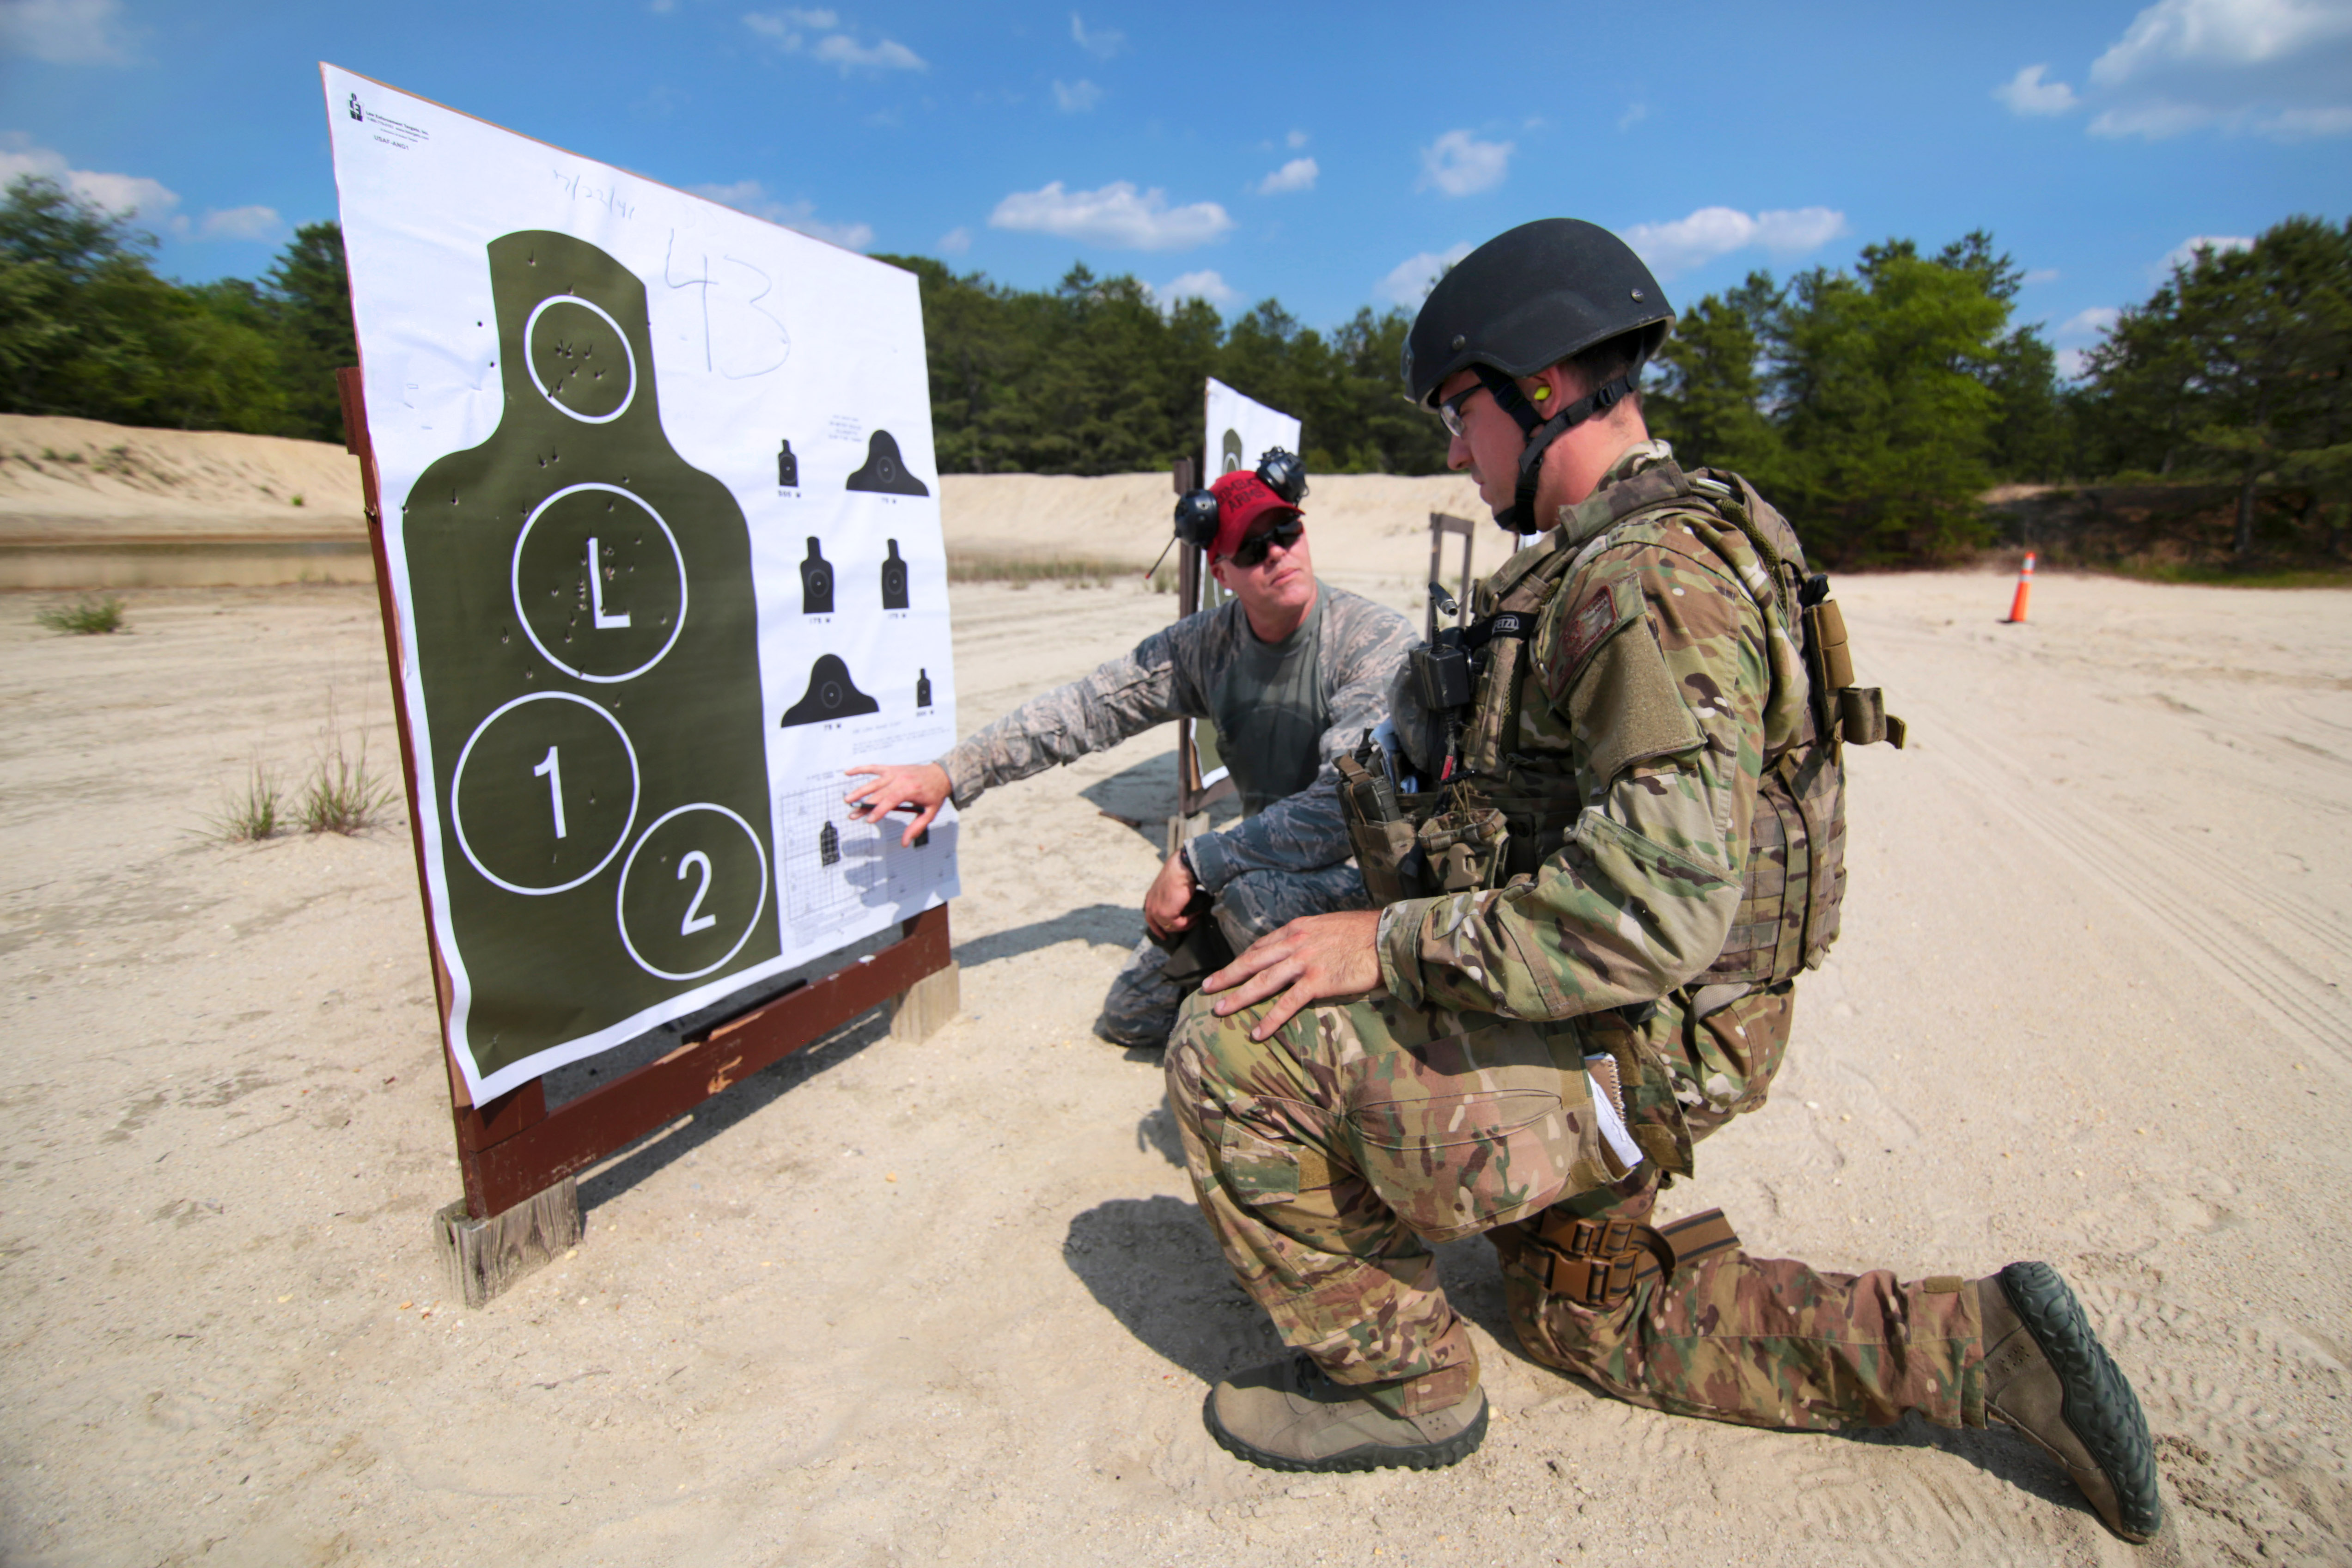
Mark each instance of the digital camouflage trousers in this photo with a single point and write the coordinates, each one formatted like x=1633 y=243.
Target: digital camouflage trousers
x=1141 y=1007
x=1330 y=1157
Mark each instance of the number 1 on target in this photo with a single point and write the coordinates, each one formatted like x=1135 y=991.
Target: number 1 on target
x=551 y=769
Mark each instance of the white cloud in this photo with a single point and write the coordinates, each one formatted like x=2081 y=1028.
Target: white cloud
x=2302 y=124
x=2071 y=362
x=2185 y=253
x=1118 y=215
x=2219 y=32
x=956 y=241
x=1102 y=43
x=2089 y=323
x=2039 y=275
x=841 y=49
x=241 y=223
x=1297 y=140
x=1077 y=97
x=1298 y=174
x=1202 y=284
x=751 y=196
x=1712 y=232
x=797 y=31
x=1459 y=164
x=132 y=196
x=2027 y=94
x=1634 y=114
x=65 y=32
x=1410 y=280
x=2277 y=68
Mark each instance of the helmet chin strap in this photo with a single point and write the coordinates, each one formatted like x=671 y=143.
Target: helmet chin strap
x=1519 y=516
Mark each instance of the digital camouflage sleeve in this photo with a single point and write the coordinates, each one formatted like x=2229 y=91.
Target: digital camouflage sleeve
x=1167 y=677
x=1662 y=668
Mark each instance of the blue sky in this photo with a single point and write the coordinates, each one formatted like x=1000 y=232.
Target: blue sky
x=1330 y=156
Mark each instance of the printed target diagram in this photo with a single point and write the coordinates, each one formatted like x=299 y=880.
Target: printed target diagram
x=833 y=867
x=664 y=559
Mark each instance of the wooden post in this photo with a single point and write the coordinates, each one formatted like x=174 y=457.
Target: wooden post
x=518 y=1159
x=1193 y=797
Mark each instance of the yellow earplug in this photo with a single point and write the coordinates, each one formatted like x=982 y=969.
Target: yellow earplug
x=1542 y=392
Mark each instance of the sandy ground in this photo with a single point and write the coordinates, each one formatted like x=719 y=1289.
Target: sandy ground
x=951 y=1302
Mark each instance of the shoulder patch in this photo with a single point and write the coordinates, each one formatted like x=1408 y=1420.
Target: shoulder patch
x=1590 y=623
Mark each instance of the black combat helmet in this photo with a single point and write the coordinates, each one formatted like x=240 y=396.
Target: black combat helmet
x=1528 y=298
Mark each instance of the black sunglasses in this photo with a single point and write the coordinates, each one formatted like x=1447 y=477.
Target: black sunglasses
x=1251 y=552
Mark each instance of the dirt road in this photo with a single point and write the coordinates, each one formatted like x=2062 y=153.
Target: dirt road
x=951 y=1302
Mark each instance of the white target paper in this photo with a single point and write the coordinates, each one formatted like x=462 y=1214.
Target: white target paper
x=1242 y=429
x=662 y=517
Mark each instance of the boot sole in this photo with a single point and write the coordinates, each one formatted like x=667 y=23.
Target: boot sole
x=1370 y=1456
x=2097 y=1404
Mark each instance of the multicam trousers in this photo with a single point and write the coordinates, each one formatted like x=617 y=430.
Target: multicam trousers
x=1328 y=1158
x=1141 y=1007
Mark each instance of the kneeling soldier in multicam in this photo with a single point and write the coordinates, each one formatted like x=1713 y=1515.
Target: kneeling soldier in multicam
x=1592 y=927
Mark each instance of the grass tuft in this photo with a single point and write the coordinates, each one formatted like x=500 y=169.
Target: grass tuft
x=342 y=796
x=93 y=615
x=256 y=815
x=1075 y=571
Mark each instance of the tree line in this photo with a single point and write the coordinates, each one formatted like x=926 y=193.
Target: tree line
x=1875 y=403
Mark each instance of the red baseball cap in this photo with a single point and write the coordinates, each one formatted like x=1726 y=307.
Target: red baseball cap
x=1242 y=499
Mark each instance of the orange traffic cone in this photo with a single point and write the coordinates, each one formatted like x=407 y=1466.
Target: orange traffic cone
x=2024 y=592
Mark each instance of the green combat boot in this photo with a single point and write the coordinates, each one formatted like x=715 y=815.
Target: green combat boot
x=2047 y=1375
x=1291 y=1416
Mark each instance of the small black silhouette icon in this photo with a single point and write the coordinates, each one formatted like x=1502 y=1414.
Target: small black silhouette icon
x=922 y=688
x=788 y=468
x=920 y=839
x=356 y=113
x=894 y=581
x=831 y=695
x=816 y=581
x=885 y=470
x=828 y=846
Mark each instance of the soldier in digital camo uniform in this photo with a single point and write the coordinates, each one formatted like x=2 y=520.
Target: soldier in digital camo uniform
x=1293 y=671
x=1586 y=963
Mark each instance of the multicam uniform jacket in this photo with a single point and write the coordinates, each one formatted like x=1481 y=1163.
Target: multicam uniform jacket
x=1173 y=674
x=1660 y=677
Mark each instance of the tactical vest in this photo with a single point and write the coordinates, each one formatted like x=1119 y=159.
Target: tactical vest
x=1505 y=809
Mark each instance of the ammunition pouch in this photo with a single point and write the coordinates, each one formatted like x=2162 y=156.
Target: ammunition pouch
x=1384 y=830
x=1843 y=711
x=1465 y=847
x=1598 y=1264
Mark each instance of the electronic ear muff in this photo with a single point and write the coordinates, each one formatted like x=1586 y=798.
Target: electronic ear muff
x=1196 y=519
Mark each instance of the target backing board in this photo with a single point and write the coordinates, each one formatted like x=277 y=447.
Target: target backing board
x=662 y=522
